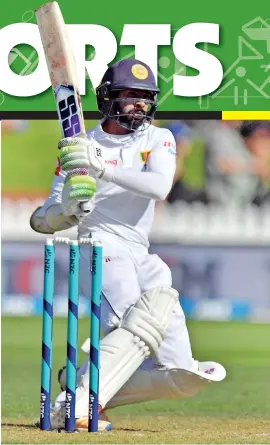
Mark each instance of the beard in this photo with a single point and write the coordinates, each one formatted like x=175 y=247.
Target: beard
x=134 y=118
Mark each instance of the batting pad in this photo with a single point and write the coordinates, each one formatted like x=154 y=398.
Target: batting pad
x=142 y=330
x=147 y=385
x=123 y=350
x=155 y=384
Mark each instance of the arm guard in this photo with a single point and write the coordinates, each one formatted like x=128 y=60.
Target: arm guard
x=51 y=220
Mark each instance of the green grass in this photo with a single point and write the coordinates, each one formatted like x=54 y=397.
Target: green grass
x=29 y=159
x=236 y=410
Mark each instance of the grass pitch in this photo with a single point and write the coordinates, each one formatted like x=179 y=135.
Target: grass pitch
x=234 y=411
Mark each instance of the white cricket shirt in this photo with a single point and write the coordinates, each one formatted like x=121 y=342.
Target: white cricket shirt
x=139 y=170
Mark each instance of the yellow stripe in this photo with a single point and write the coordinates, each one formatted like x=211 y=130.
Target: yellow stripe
x=245 y=115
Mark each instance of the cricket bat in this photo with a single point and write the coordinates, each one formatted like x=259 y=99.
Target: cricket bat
x=62 y=70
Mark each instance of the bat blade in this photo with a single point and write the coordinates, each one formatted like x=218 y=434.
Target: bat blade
x=62 y=70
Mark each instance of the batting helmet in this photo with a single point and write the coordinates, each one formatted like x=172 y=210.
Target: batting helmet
x=128 y=74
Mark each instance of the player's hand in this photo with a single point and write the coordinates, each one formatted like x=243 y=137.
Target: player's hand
x=82 y=155
x=77 y=190
x=96 y=163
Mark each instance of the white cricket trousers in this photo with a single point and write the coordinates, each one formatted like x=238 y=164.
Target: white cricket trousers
x=129 y=271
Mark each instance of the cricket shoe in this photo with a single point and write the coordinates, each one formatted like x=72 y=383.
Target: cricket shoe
x=102 y=417
x=103 y=425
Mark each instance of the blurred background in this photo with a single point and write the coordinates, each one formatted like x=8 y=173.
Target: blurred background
x=213 y=230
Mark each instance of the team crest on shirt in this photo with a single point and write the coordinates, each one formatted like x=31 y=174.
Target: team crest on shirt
x=144 y=155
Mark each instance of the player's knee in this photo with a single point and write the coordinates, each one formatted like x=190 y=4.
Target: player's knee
x=157 y=272
x=164 y=274
x=150 y=316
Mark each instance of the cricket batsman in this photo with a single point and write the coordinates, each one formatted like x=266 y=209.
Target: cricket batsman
x=145 y=353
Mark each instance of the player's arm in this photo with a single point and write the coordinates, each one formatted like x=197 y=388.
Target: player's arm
x=71 y=186
x=49 y=218
x=156 y=181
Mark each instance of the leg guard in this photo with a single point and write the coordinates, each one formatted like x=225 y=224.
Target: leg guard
x=155 y=384
x=122 y=351
x=141 y=331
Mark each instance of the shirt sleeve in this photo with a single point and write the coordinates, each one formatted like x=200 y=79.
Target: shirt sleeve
x=156 y=181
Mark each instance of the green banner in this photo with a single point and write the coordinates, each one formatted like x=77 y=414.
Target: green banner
x=243 y=50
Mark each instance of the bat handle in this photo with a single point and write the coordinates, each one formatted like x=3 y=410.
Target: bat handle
x=86 y=206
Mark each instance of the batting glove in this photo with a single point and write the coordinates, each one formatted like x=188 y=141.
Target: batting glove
x=81 y=154
x=80 y=185
x=78 y=196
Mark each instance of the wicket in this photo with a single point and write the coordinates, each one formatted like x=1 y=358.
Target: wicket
x=72 y=331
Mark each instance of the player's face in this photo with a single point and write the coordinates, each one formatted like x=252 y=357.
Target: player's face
x=135 y=105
